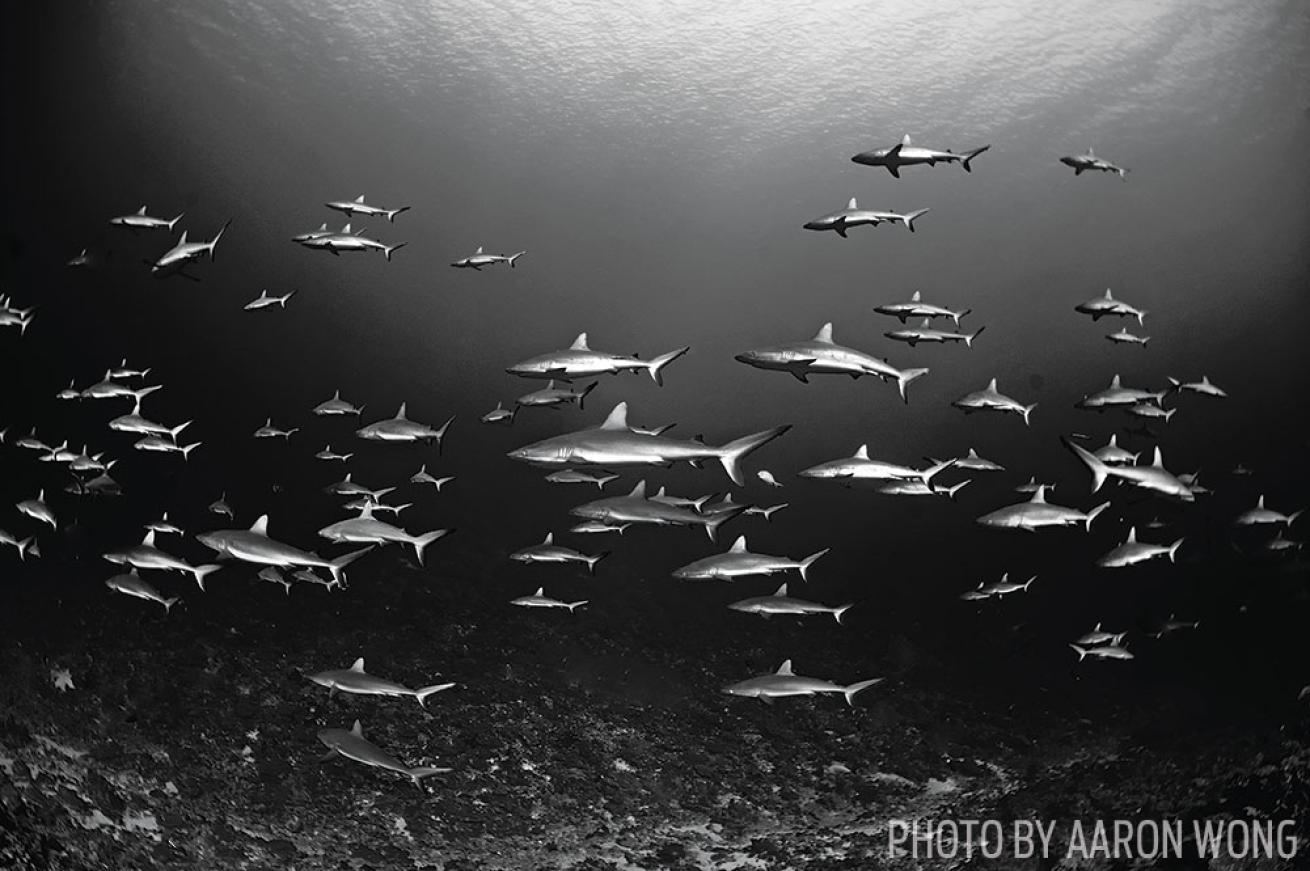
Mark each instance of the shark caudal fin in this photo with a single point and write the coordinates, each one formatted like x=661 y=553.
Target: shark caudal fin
x=1094 y=513
x=1173 y=550
x=574 y=605
x=421 y=542
x=201 y=572
x=592 y=560
x=714 y=521
x=967 y=157
x=391 y=215
x=910 y=218
x=1082 y=651
x=968 y=339
x=582 y=397
x=169 y=603
x=839 y=612
x=810 y=560
x=731 y=454
x=23 y=546
x=935 y=469
x=654 y=366
x=956 y=316
x=417 y=774
x=1095 y=466
x=186 y=451
x=904 y=378
x=213 y=243
x=145 y=391
x=510 y=260
x=854 y=688
x=951 y=491
x=388 y=250
x=171 y=225
x=422 y=695
x=1027 y=410
x=338 y=566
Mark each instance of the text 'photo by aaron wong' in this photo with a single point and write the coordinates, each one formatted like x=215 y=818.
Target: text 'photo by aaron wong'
x=655 y=435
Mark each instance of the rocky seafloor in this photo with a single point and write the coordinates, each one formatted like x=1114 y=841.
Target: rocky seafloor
x=188 y=740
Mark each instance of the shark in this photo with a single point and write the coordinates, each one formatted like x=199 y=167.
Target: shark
x=123 y=370
x=539 y=599
x=739 y=562
x=1101 y=306
x=859 y=467
x=1100 y=636
x=346 y=240
x=348 y=487
x=1132 y=552
x=580 y=361
x=975 y=463
x=164 y=526
x=253 y=545
x=357 y=206
x=367 y=529
x=478 y=259
x=1037 y=513
x=337 y=407
x=354 y=746
x=135 y=423
x=1205 y=387
x=1104 y=651
x=356 y=681
x=312 y=234
x=614 y=444
x=635 y=507
x=991 y=399
x=581 y=476
x=917 y=308
x=853 y=216
x=268 y=431
x=7 y=537
x=265 y=301
x=401 y=429
x=1173 y=624
x=553 y=397
x=139 y=220
x=220 y=506
x=906 y=153
x=925 y=333
x=595 y=526
x=821 y=356
x=785 y=682
x=766 y=512
x=1123 y=337
x=1113 y=455
x=377 y=507
x=781 y=603
x=132 y=584
x=1005 y=586
x=422 y=476
x=697 y=503
x=921 y=488
x=1153 y=478
x=1262 y=516
x=159 y=444
x=500 y=414
x=1084 y=162
x=1118 y=396
x=550 y=552
x=147 y=556
x=176 y=259
x=69 y=392
x=111 y=388
x=332 y=456
x=37 y=509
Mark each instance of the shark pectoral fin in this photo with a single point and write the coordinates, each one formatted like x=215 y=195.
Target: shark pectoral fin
x=840 y=227
x=768 y=700
x=328 y=756
x=894 y=170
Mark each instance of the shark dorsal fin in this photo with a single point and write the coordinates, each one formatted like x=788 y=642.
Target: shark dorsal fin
x=1132 y=535
x=1158 y=461
x=1109 y=294
x=906 y=141
x=916 y=297
x=580 y=343
x=862 y=453
x=359 y=199
x=141 y=211
x=639 y=491
x=618 y=418
x=927 y=322
x=348 y=474
x=182 y=241
x=1115 y=382
x=851 y=204
x=550 y=385
x=1039 y=495
x=400 y=415
x=357 y=730
x=785 y=668
x=1260 y=503
x=541 y=591
x=738 y=546
x=973 y=455
x=1005 y=576
x=1114 y=440
x=781 y=591
x=549 y=539
x=991 y=385
x=322 y=228
x=260 y=526
x=659 y=492
x=1091 y=152
x=824 y=335
x=336 y=394
x=477 y=252
x=359 y=665
x=346 y=229
x=149 y=540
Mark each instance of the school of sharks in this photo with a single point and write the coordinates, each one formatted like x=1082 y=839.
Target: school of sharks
x=614 y=463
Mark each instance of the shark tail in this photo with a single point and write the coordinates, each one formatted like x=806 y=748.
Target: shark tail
x=854 y=688
x=514 y=257
x=582 y=397
x=572 y=605
x=177 y=430
x=1173 y=550
x=773 y=509
x=23 y=546
x=441 y=431
x=378 y=494
x=391 y=215
x=1123 y=173
x=1141 y=318
x=388 y=250
x=421 y=542
x=956 y=316
x=810 y=560
x=422 y=695
x=592 y=560
x=716 y=520
x=186 y=451
x=417 y=774
x=731 y=454
x=1291 y=518
x=283 y=301
x=173 y=222
x=967 y=156
x=968 y=339
x=213 y=243
x=1095 y=512
x=904 y=378
x=169 y=603
x=935 y=469
x=838 y=613
x=951 y=491
x=402 y=506
x=23 y=322
x=654 y=366
x=146 y=391
x=910 y=218
x=1082 y=651
x=202 y=572
x=1093 y=463
x=338 y=566
x=1174 y=384
x=1027 y=410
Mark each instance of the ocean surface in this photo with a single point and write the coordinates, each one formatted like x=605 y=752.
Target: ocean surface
x=656 y=161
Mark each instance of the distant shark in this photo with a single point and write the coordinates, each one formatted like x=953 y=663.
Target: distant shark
x=853 y=216
x=253 y=545
x=357 y=206
x=738 y=562
x=352 y=745
x=784 y=682
x=1037 y=513
x=907 y=154
x=1083 y=162
x=401 y=429
x=477 y=260
x=174 y=260
x=356 y=681
x=139 y=220
x=781 y=603
x=991 y=399
x=820 y=356
x=580 y=361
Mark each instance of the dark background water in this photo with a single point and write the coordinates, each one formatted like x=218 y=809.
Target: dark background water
x=657 y=164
